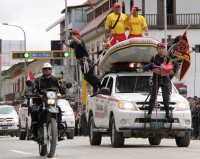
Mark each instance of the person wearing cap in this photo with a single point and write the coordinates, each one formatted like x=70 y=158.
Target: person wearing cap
x=43 y=82
x=115 y=25
x=87 y=65
x=136 y=23
x=160 y=80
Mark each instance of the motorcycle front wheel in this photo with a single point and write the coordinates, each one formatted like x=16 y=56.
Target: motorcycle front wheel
x=42 y=149
x=52 y=136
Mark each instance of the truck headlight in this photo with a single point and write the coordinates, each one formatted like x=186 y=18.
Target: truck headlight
x=16 y=120
x=126 y=105
x=181 y=106
x=51 y=101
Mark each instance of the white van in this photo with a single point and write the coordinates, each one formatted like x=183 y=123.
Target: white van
x=67 y=117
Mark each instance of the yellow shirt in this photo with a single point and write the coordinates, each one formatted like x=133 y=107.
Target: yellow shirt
x=136 y=24
x=121 y=25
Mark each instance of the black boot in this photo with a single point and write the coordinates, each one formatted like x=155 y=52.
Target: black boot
x=168 y=116
x=149 y=112
x=34 y=130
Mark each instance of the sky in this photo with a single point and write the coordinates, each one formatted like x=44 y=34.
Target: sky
x=33 y=16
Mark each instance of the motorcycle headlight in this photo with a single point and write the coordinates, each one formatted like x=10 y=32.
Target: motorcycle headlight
x=126 y=105
x=51 y=95
x=51 y=101
x=181 y=106
x=69 y=113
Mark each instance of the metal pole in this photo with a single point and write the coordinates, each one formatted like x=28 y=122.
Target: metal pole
x=195 y=75
x=66 y=24
x=25 y=62
x=67 y=34
x=165 y=22
x=78 y=83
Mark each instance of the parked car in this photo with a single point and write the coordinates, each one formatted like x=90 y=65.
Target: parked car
x=67 y=117
x=8 y=121
x=24 y=120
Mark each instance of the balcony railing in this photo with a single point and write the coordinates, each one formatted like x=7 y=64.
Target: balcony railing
x=174 y=21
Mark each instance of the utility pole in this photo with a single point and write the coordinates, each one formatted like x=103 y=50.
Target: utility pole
x=165 y=22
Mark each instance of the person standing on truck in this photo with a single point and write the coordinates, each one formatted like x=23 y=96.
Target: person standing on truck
x=136 y=23
x=160 y=80
x=116 y=25
x=87 y=65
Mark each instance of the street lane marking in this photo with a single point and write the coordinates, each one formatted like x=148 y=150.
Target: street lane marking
x=21 y=152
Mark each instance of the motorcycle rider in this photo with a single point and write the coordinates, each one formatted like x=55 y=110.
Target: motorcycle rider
x=46 y=80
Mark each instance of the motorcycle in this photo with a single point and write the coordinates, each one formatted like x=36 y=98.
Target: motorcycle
x=49 y=123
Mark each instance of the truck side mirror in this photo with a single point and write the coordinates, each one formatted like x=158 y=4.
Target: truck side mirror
x=105 y=91
x=182 y=91
x=69 y=85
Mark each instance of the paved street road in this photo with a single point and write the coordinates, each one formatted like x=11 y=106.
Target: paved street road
x=79 y=148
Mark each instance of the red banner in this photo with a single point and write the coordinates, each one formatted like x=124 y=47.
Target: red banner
x=30 y=77
x=183 y=53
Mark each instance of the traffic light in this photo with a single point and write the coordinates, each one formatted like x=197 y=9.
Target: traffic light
x=20 y=55
x=60 y=54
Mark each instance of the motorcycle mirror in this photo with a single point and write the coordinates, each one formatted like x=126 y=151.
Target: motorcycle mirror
x=29 y=83
x=69 y=85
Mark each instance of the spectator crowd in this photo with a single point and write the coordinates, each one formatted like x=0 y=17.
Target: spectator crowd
x=195 y=110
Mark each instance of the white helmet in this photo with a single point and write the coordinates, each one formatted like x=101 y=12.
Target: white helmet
x=46 y=65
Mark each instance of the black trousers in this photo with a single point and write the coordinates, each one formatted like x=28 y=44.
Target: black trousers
x=195 y=126
x=165 y=94
x=90 y=76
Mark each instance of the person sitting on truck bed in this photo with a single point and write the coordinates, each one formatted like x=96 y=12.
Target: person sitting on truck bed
x=160 y=80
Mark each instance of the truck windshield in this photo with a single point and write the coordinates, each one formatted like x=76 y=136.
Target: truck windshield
x=132 y=84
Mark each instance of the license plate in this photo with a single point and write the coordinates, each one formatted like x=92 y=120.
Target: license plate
x=157 y=124
x=5 y=127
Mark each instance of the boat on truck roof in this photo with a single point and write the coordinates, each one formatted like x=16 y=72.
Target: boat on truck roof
x=134 y=50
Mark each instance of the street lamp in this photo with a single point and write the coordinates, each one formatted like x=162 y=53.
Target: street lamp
x=25 y=68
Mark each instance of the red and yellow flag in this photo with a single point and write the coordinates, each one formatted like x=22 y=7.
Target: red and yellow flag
x=183 y=53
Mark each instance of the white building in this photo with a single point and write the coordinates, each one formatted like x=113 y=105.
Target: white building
x=180 y=13
x=7 y=46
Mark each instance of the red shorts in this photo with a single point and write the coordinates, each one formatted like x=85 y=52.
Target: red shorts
x=117 y=38
x=134 y=35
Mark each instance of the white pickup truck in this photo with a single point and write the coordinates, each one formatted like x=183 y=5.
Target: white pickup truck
x=121 y=107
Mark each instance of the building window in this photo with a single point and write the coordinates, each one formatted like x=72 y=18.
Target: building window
x=123 y=8
x=112 y=2
x=131 y=4
x=69 y=14
x=105 y=6
x=23 y=83
x=80 y=15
